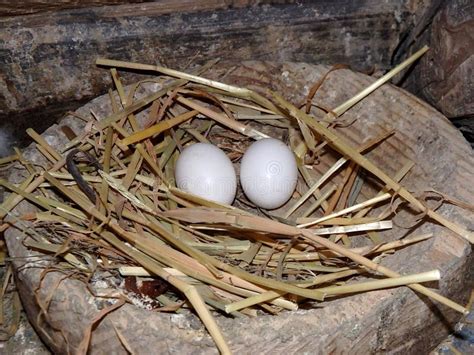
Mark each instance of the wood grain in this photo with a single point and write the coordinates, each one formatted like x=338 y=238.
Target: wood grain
x=48 y=61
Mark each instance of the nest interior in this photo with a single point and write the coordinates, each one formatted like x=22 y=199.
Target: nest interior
x=366 y=322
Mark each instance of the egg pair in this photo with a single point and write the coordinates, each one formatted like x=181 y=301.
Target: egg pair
x=268 y=173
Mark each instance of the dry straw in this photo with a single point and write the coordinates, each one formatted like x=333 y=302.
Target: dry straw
x=226 y=258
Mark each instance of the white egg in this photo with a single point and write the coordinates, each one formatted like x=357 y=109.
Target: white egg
x=268 y=173
x=206 y=171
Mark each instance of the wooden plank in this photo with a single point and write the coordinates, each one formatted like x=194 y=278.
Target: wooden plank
x=444 y=77
x=48 y=61
x=27 y=7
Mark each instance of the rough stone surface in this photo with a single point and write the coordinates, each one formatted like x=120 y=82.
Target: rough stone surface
x=25 y=341
x=461 y=341
x=398 y=321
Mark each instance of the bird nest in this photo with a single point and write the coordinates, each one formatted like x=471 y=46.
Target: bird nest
x=107 y=202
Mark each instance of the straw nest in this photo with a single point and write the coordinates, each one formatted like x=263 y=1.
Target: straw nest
x=108 y=201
